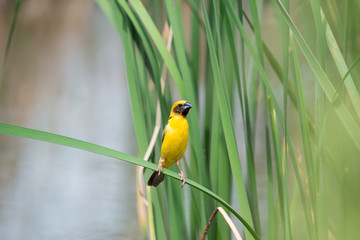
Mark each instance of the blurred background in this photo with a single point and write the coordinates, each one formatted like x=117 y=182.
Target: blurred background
x=65 y=74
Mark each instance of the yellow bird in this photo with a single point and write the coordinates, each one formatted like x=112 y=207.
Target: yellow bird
x=174 y=142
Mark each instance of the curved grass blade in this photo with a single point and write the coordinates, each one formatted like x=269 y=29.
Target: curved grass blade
x=228 y=221
x=18 y=131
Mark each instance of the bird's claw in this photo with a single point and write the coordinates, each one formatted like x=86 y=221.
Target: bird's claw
x=182 y=178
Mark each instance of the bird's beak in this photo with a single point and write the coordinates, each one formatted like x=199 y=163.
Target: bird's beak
x=187 y=105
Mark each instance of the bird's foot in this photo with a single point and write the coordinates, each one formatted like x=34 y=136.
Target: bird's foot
x=160 y=169
x=182 y=178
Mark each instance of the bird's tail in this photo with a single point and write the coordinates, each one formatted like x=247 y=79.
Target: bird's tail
x=156 y=178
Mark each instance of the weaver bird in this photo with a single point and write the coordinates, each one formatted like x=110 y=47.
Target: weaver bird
x=174 y=142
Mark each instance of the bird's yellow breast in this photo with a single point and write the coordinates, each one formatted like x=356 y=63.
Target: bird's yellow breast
x=176 y=134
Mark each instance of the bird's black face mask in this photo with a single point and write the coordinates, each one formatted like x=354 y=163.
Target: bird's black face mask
x=183 y=109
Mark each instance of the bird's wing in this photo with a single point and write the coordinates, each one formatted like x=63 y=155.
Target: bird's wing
x=164 y=132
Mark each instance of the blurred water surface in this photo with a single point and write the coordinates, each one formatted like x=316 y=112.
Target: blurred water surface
x=66 y=75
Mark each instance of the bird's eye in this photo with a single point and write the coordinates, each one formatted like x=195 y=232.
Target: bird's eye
x=180 y=105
